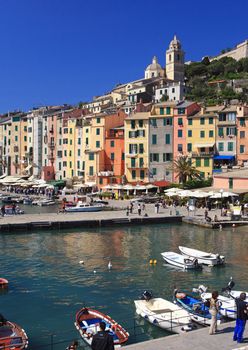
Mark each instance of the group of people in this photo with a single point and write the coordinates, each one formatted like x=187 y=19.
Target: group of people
x=242 y=315
x=140 y=208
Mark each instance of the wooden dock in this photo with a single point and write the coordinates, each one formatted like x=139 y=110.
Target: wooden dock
x=195 y=340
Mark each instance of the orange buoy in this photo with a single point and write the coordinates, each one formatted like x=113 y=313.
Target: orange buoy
x=3 y=283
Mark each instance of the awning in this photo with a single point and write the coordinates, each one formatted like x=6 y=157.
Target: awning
x=205 y=145
x=224 y=157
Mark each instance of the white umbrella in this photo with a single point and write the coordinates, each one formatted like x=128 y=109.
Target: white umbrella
x=171 y=194
x=128 y=187
x=185 y=193
x=218 y=195
x=108 y=187
x=173 y=189
x=140 y=187
x=150 y=186
x=230 y=194
x=200 y=194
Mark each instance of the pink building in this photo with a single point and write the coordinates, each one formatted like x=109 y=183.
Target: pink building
x=234 y=181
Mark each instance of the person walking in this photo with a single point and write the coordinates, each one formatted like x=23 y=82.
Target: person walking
x=102 y=340
x=139 y=209
x=213 y=309
x=242 y=311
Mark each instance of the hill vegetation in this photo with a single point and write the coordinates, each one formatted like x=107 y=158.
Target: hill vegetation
x=210 y=82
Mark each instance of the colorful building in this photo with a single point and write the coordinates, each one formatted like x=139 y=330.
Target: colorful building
x=242 y=135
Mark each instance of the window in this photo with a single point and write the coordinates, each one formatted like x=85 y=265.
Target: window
x=79 y=153
x=154 y=139
x=141 y=162
x=16 y=127
x=242 y=134
x=211 y=133
x=142 y=174
x=70 y=164
x=97 y=144
x=141 y=123
x=132 y=124
x=222 y=117
x=87 y=141
x=206 y=162
x=133 y=149
x=181 y=110
x=242 y=121
x=133 y=174
x=154 y=157
x=210 y=120
x=202 y=121
x=97 y=131
x=45 y=150
x=112 y=156
x=180 y=147
x=141 y=148
x=242 y=149
x=180 y=121
x=153 y=122
x=65 y=153
x=71 y=142
x=189 y=133
x=16 y=138
x=65 y=141
x=202 y=134
x=221 y=146
x=25 y=138
x=154 y=171
x=64 y=163
x=70 y=153
x=198 y=162
x=161 y=111
x=98 y=120
x=25 y=128
x=87 y=130
x=168 y=110
x=230 y=146
x=59 y=165
x=112 y=144
x=167 y=139
x=123 y=156
x=132 y=134
x=167 y=157
x=179 y=133
x=221 y=132
x=91 y=156
x=230 y=180
x=91 y=170
x=189 y=147
x=190 y=121
x=70 y=130
x=167 y=121
x=79 y=141
x=231 y=131
x=100 y=181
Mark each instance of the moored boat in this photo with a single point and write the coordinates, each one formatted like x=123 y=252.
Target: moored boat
x=181 y=261
x=12 y=336
x=198 y=311
x=87 y=323
x=85 y=207
x=203 y=257
x=44 y=203
x=163 y=313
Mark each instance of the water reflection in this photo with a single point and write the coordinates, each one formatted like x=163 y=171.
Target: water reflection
x=45 y=275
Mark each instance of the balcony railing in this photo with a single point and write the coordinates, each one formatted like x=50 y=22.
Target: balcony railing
x=137 y=166
x=202 y=154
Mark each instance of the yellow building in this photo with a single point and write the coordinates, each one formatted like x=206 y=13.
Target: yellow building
x=137 y=147
x=201 y=138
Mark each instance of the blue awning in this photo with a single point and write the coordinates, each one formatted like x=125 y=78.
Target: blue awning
x=224 y=157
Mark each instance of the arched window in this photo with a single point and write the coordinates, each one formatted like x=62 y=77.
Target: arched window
x=178 y=57
x=170 y=57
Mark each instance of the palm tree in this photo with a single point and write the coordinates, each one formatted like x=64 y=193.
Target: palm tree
x=185 y=171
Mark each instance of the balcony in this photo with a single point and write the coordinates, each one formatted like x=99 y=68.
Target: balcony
x=137 y=166
x=51 y=157
x=132 y=155
x=51 y=145
x=202 y=154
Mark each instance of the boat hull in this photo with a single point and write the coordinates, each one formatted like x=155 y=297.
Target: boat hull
x=165 y=319
x=202 y=257
x=13 y=337
x=83 y=210
x=87 y=323
x=180 y=262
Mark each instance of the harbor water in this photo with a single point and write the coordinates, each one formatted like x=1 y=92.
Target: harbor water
x=47 y=285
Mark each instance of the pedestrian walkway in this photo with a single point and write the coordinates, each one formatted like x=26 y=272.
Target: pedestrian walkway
x=195 y=340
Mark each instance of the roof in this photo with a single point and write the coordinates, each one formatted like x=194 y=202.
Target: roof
x=184 y=104
x=139 y=115
x=204 y=115
x=241 y=173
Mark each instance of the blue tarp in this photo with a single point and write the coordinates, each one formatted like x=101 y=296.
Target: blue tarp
x=224 y=157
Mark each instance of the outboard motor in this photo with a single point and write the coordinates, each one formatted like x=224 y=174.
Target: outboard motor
x=229 y=287
x=146 y=295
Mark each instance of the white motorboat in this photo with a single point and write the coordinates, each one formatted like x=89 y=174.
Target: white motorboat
x=85 y=207
x=163 y=313
x=180 y=260
x=45 y=202
x=203 y=257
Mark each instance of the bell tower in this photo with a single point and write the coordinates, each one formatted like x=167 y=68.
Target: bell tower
x=175 y=61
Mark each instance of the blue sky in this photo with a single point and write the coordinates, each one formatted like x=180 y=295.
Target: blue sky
x=64 y=51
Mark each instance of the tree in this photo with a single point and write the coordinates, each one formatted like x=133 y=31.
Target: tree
x=206 y=61
x=216 y=68
x=184 y=170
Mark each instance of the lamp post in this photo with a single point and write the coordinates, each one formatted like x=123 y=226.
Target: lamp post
x=221 y=208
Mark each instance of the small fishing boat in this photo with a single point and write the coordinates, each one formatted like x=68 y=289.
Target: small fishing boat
x=85 y=207
x=87 y=323
x=12 y=336
x=198 y=311
x=181 y=261
x=9 y=210
x=7 y=200
x=27 y=201
x=163 y=313
x=44 y=202
x=3 y=283
x=203 y=257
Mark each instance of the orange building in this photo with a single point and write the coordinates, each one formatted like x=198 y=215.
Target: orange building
x=114 y=157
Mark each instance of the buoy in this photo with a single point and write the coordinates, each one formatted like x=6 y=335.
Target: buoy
x=151 y=261
x=3 y=283
x=109 y=265
x=94 y=271
x=81 y=262
x=233 y=225
x=155 y=262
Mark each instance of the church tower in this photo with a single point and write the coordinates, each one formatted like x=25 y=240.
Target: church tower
x=175 y=61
